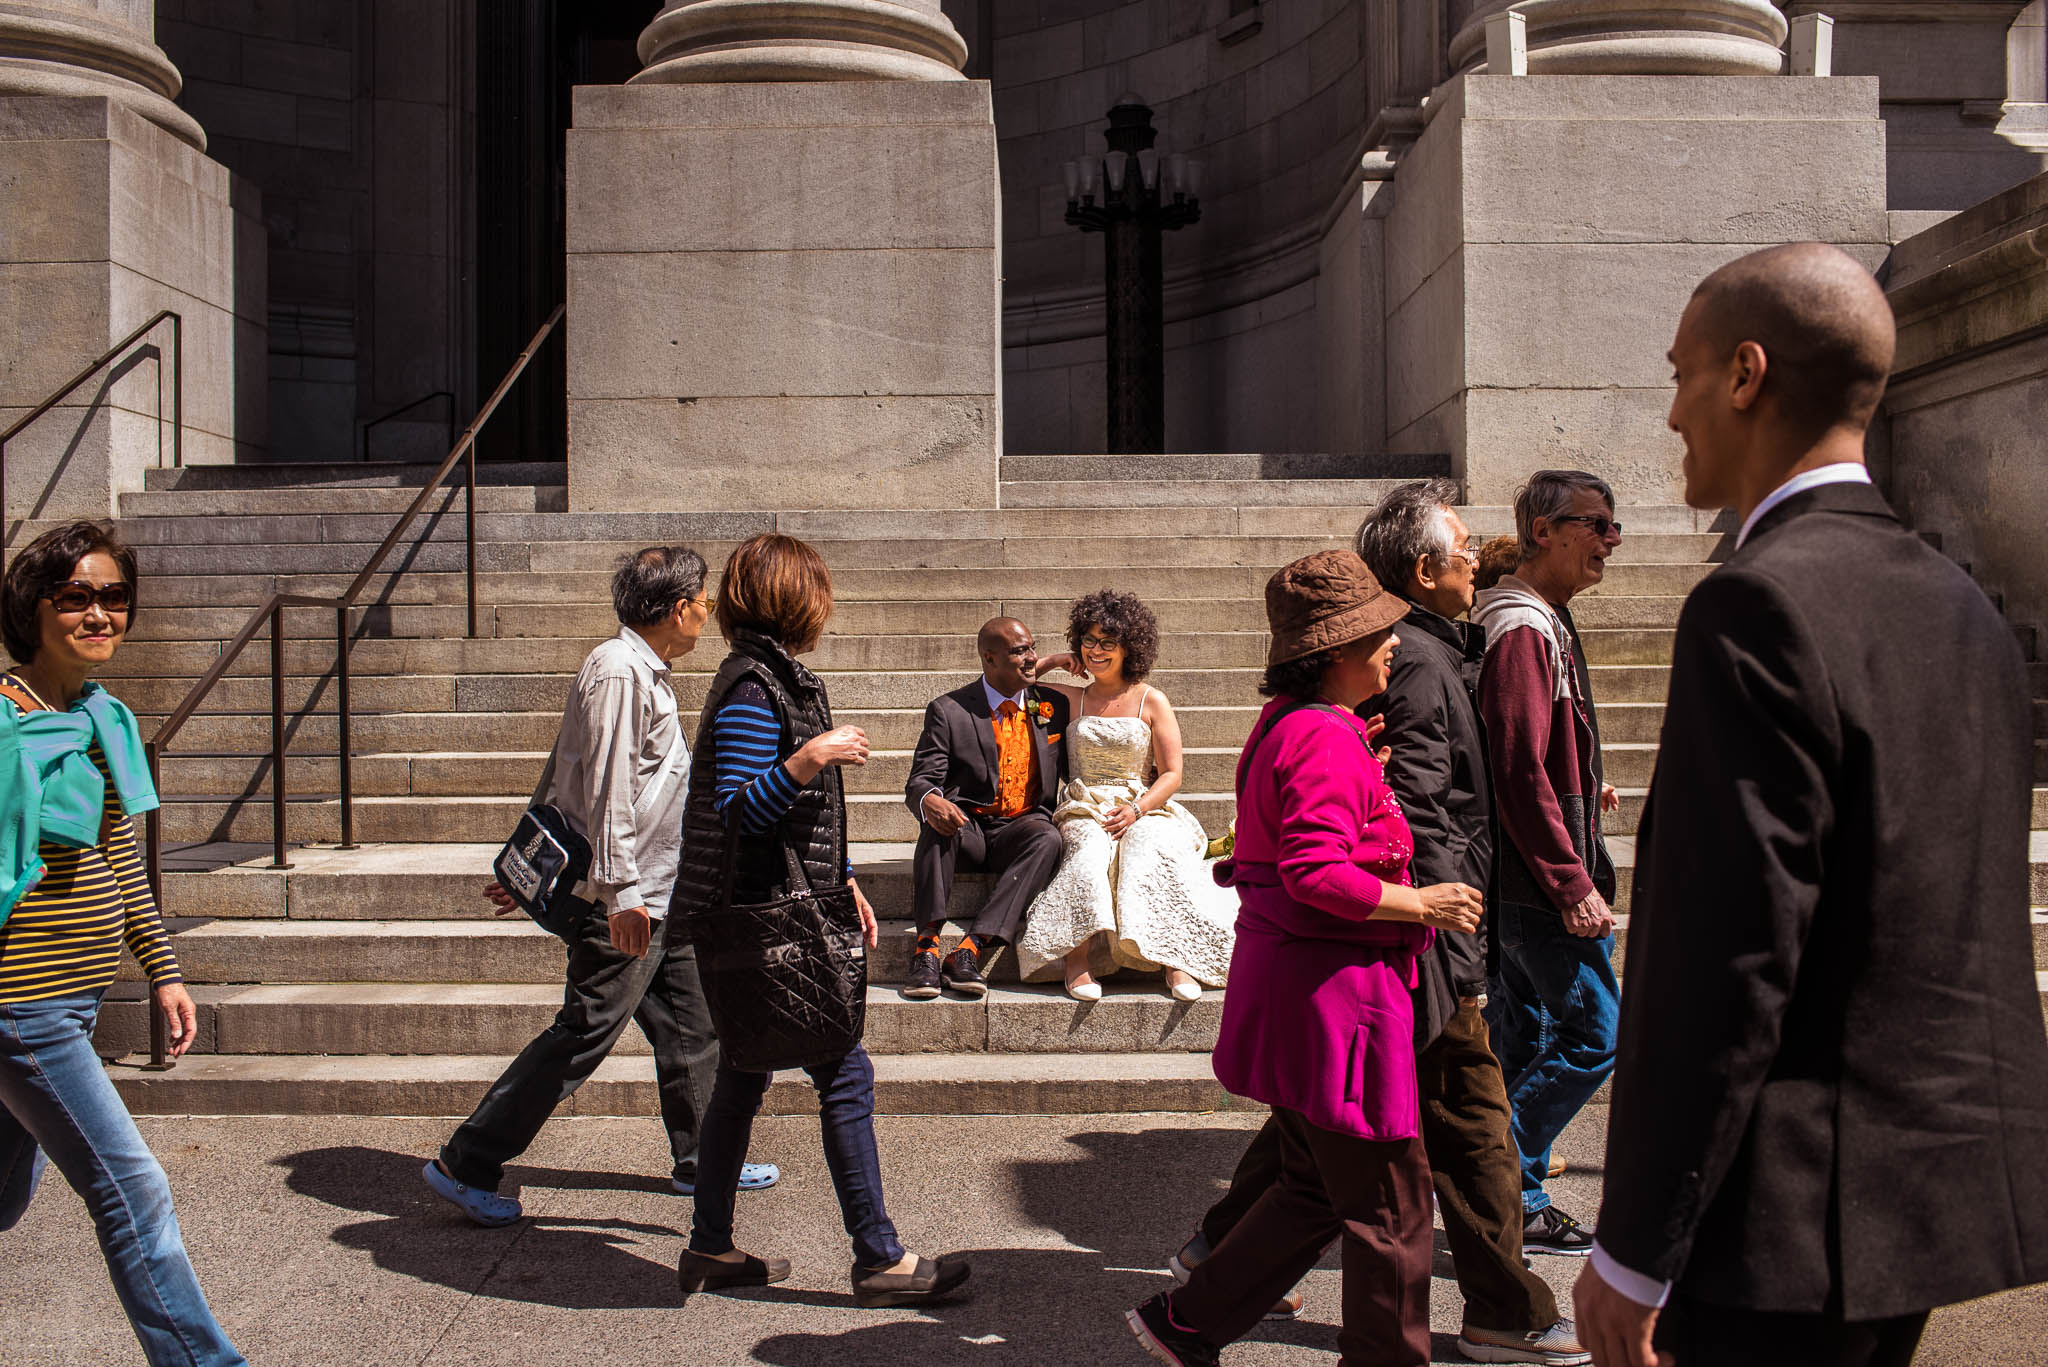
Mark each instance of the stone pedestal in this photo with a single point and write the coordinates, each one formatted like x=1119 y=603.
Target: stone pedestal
x=1547 y=231
x=785 y=293
x=110 y=212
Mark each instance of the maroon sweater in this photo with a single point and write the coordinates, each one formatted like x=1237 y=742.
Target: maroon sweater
x=1544 y=753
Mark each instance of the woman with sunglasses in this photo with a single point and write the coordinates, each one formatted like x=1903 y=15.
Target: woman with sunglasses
x=1132 y=889
x=73 y=890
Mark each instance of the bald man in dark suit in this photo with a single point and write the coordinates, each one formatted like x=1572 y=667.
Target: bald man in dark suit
x=1830 y=1108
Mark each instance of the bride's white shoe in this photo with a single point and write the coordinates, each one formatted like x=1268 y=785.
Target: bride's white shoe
x=1084 y=991
x=1185 y=989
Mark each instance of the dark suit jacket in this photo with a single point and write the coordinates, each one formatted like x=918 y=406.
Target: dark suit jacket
x=1438 y=770
x=956 y=755
x=1832 y=1087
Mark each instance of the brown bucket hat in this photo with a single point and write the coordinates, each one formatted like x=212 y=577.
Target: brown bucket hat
x=1323 y=601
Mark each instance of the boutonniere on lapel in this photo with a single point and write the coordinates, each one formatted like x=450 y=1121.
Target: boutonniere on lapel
x=1039 y=710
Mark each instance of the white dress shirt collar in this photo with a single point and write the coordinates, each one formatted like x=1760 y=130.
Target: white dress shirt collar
x=996 y=700
x=642 y=651
x=1841 y=472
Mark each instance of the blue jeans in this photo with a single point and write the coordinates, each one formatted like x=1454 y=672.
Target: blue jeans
x=56 y=1096
x=846 y=1115
x=1553 y=1015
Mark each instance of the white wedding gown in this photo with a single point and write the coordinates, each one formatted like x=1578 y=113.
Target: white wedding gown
x=1151 y=891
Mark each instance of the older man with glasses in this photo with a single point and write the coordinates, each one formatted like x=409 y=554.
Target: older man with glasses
x=1555 y=1004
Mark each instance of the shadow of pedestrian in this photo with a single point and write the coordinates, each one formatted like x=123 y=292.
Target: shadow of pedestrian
x=576 y=1264
x=1024 y=1308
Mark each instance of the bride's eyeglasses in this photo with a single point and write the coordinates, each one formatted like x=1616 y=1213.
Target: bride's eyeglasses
x=75 y=595
x=1100 y=643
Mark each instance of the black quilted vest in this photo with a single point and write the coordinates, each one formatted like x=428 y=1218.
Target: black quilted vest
x=815 y=826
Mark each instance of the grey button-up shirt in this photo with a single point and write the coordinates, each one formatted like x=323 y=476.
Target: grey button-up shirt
x=621 y=773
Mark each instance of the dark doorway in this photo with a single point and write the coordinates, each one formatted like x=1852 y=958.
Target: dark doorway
x=530 y=54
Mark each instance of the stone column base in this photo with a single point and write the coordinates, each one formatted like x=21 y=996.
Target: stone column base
x=110 y=218
x=1548 y=230
x=783 y=296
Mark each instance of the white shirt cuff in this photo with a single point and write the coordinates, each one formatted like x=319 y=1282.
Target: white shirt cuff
x=1634 y=1285
x=626 y=898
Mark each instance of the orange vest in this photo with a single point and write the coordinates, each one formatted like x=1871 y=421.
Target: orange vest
x=1016 y=762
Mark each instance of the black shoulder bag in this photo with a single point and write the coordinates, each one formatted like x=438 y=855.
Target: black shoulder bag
x=787 y=980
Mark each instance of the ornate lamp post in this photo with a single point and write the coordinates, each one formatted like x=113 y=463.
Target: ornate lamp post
x=1131 y=195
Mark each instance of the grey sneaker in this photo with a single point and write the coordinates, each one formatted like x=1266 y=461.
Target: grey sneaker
x=1558 y=1345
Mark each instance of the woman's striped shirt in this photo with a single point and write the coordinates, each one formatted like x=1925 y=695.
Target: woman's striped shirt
x=64 y=938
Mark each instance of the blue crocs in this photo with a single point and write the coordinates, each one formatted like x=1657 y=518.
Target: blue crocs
x=753 y=1177
x=486 y=1208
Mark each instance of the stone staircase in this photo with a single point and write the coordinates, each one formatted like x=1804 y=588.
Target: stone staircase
x=376 y=980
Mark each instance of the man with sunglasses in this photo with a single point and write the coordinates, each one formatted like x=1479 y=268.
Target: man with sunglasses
x=1553 y=1001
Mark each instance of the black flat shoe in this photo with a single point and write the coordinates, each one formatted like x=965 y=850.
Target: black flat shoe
x=932 y=1281
x=702 y=1272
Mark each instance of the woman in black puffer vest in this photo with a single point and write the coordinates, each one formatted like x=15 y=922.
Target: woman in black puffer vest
x=765 y=782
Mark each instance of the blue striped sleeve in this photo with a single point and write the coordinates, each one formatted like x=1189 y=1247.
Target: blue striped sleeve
x=751 y=787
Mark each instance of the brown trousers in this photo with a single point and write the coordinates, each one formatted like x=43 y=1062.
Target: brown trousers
x=1375 y=1194
x=1472 y=1159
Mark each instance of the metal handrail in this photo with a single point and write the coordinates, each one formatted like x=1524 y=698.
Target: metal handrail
x=106 y=358
x=342 y=604
x=364 y=443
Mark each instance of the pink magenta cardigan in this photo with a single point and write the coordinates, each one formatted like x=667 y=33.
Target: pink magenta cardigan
x=1318 y=1017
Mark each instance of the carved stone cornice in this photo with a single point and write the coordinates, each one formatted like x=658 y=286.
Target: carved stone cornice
x=1636 y=37
x=800 y=40
x=61 y=49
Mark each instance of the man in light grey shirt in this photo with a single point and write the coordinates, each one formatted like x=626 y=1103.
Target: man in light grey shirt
x=619 y=774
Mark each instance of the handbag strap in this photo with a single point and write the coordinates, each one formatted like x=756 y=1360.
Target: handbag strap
x=20 y=696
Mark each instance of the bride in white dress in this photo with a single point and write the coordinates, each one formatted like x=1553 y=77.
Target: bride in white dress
x=1133 y=890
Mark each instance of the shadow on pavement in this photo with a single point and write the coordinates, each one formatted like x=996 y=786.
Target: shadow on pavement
x=1026 y=1308
x=574 y=1264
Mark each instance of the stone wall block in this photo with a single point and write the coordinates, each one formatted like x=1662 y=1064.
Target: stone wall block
x=1580 y=316
x=782 y=189
x=410 y=193
x=55 y=316
x=1651 y=180
x=781 y=104
x=725 y=454
x=209 y=346
x=1619 y=434
x=1426 y=226
x=1426 y=347
x=817 y=323
x=55 y=195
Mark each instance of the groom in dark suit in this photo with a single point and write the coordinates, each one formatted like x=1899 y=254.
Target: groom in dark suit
x=983 y=783
x=1830 y=1109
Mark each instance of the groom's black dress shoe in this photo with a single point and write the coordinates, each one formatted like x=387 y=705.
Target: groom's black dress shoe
x=962 y=974
x=923 y=983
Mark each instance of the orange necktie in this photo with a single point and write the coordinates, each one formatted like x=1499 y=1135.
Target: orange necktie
x=1015 y=759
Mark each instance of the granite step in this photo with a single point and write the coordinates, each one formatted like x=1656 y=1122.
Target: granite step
x=500 y=1018
x=526 y=589
x=1232 y=466
x=836 y=654
x=387 y=502
x=1140 y=493
x=450 y=1085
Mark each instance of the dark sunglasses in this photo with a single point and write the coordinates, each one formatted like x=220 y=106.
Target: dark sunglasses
x=1599 y=526
x=75 y=595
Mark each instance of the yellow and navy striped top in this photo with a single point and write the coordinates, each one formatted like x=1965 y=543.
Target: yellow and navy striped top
x=64 y=938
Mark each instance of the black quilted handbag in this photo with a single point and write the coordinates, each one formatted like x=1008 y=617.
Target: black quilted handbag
x=786 y=981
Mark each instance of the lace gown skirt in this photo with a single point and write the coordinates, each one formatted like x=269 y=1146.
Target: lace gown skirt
x=1150 y=891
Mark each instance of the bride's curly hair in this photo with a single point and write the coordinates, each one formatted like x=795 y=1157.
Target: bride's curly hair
x=1123 y=616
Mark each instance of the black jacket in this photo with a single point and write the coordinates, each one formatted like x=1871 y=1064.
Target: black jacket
x=1438 y=771
x=814 y=828
x=1832 y=1087
x=956 y=754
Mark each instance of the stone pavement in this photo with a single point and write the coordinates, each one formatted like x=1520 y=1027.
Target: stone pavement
x=318 y=1246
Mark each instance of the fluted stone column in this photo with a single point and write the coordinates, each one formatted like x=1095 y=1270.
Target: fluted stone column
x=801 y=40
x=1635 y=37
x=110 y=211
x=93 y=47
x=784 y=272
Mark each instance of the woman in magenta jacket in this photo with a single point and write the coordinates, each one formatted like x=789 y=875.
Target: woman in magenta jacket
x=1317 y=1023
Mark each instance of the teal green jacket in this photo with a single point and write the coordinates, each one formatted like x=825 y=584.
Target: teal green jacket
x=51 y=790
